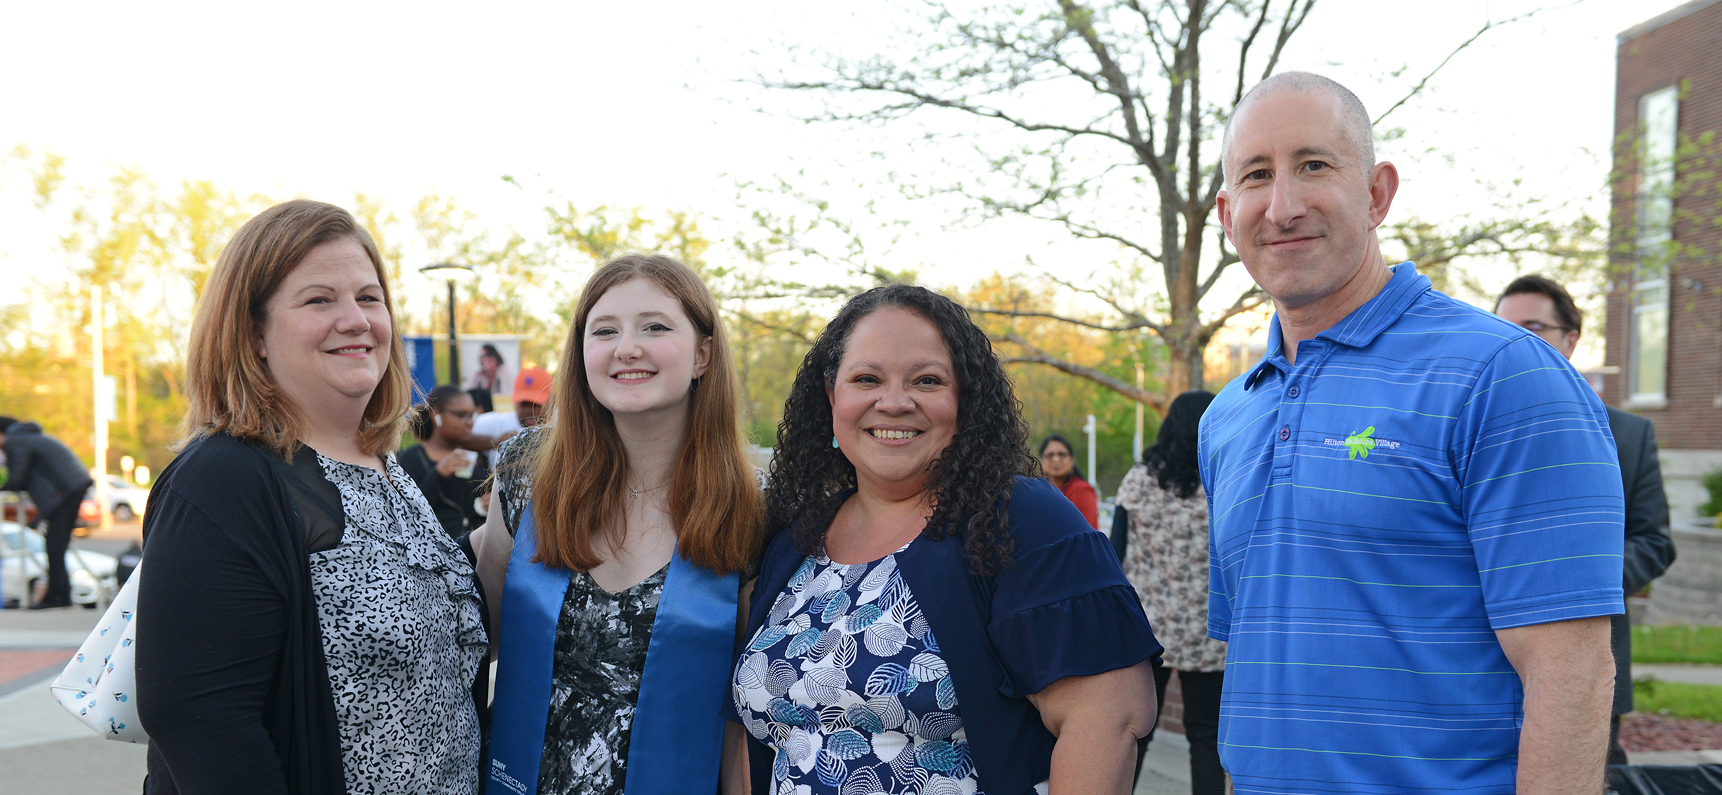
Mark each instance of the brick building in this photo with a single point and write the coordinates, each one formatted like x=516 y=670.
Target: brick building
x=1665 y=297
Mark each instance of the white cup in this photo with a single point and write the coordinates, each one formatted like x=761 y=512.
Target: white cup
x=470 y=460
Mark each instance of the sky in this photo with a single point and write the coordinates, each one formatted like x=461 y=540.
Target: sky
x=644 y=104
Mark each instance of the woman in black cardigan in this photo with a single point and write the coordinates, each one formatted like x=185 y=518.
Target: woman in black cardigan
x=305 y=625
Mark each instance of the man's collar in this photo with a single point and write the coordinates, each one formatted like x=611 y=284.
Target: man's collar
x=1359 y=328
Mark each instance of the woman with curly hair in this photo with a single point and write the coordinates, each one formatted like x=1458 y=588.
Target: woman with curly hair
x=930 y=617
x=1162 y=518
x=625 y=523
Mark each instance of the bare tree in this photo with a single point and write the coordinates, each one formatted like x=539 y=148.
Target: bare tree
x=1112 y=112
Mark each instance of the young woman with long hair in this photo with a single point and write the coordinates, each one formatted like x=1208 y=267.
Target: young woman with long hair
x=626 y=523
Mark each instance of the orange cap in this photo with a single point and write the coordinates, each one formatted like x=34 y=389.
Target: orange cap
x=532 y=386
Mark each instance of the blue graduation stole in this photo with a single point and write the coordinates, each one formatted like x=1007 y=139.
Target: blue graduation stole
x=677 y=735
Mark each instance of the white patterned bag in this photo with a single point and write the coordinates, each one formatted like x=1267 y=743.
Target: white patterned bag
x=99 y=686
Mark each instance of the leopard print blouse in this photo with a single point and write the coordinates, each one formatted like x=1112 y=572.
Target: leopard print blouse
x=1167 y=563
x=402 y=637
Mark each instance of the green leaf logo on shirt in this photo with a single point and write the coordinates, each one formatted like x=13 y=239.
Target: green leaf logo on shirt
x=1360 y=443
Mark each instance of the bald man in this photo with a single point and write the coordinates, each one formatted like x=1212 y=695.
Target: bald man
x=1415 y=506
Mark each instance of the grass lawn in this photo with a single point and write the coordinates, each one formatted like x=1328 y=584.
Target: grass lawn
x=1677 y=644
x=1678 y=699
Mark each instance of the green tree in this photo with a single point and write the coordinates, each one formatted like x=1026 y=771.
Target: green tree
x=150 y=249
x=1099 y=119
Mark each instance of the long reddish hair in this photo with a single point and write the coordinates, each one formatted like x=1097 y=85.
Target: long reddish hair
x=582 y=468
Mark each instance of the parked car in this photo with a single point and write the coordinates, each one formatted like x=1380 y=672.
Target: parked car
x=23 y=565
x=88 y=514
x=1107 y=507
x=126 y=501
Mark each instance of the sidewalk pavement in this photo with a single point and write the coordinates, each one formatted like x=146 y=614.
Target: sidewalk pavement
x=1688 y=674
x=1166 y=769
x=43 y=749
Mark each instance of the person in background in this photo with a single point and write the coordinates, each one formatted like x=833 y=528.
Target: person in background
x=531 y=395
x=1162 y=523
x=627 y=524
x=450 y=476
x=928 y=616
x=1545 y=308
x=56 y=480
x=305 y=626
x=1059 y=464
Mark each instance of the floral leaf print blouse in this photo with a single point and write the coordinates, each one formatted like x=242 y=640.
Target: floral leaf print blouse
x=1167 y=563
x=845 y=680
x=402 y=638
x=600 y=655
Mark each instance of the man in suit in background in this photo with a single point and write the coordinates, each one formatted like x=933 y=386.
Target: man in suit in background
x=1546 y=309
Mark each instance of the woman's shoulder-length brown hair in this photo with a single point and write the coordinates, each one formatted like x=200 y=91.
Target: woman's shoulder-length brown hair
x=582 y=470
x=227 y=385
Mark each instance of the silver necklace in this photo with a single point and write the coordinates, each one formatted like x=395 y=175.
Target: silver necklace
x=634 y=493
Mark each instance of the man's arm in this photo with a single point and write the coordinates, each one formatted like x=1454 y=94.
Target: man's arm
x=1568 y=675
x=1649 y=549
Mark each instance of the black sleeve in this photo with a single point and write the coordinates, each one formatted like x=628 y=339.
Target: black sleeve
x=418 y=466
x=209 y=642
x=18 y=461
x=1649 y=549
x=1120 y=531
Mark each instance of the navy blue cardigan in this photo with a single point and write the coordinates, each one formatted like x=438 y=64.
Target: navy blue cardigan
x=1062 y=608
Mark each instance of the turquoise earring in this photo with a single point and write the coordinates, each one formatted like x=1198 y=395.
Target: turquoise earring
x=834 y=444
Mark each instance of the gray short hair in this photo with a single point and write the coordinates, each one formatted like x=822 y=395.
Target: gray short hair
x=1358 y=128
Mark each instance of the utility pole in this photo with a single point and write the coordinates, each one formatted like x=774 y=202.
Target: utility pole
x=452 y=273
x=1136 y=445
x=1093 y=479
x=99 y=415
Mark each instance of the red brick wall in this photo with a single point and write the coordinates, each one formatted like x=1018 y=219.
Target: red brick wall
x=1683 y=51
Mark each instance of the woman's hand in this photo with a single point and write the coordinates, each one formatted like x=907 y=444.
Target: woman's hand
x=1097 y=720
x=455 y=460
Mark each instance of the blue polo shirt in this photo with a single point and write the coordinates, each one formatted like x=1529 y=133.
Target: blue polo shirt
x=1424 y=475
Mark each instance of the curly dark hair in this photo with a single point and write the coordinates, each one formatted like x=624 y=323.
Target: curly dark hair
x=971 y=480
x=1173 y=459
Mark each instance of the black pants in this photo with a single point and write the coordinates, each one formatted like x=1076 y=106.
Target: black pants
x=1201 y=727
x=60 y=520
x=1616 y=754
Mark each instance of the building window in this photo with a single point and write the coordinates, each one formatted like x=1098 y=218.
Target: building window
x=1654 y=230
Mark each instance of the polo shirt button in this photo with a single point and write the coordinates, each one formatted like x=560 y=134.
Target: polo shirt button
x=1293 y=392
x=1285 y=433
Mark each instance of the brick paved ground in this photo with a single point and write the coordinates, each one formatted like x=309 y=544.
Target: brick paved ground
x=16 y=664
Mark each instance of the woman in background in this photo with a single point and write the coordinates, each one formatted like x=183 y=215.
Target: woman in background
x=1162 y=516
x=1059 y=465
x=450 y=475
x=624 y=523
x=305 y=625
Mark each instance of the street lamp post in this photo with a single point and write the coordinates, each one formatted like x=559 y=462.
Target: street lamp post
x=451 y=273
